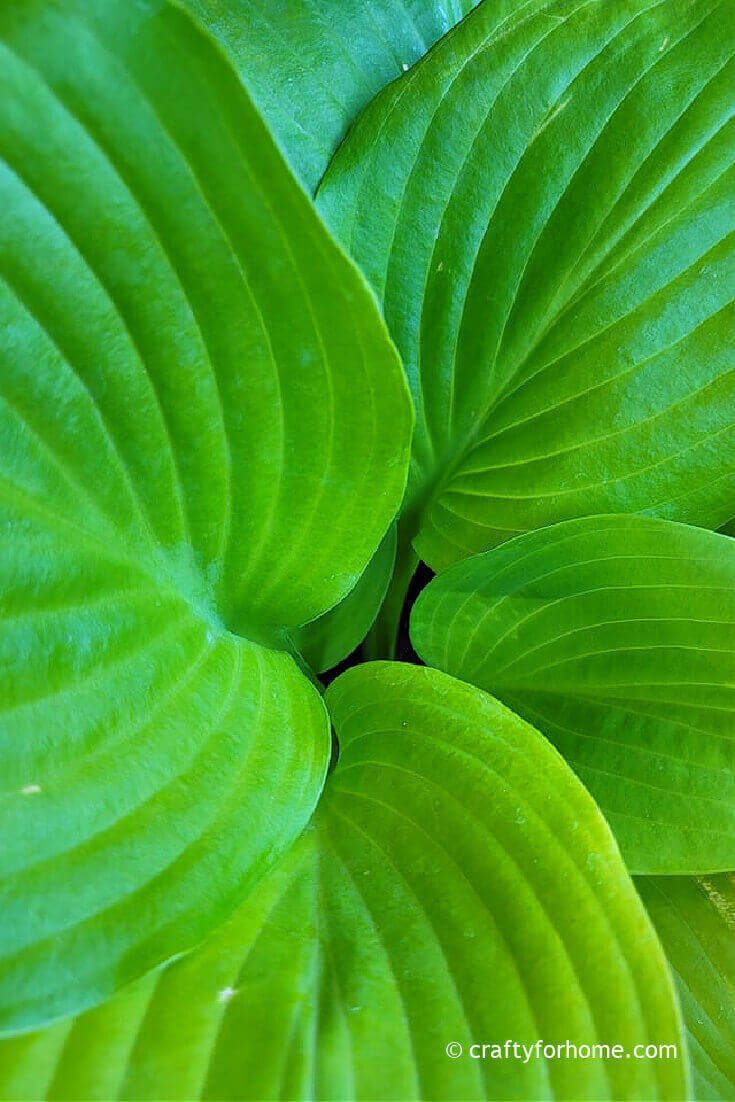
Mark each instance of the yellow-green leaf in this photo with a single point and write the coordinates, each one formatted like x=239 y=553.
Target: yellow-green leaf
x=457 y=886
x=544 y=206
x=615 y=636
x=204 y=432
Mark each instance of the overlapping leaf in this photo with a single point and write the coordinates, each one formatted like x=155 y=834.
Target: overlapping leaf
x=695 y=920
x=457 y=884
x=615 y=636
x=203 y=437
x=544 y=205
x=328 y=640
x=311 y=66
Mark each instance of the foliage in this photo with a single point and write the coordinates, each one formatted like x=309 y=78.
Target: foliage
x=615 y=636
x=292 y=297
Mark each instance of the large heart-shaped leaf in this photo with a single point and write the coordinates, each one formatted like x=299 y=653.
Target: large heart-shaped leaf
x=204 y=433
x=458 y=885
x=311 y=66
x=695 y=920
x=615 y=636
x=544 y=205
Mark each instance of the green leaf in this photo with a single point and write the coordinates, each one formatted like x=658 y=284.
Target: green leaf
x=695 y=920
x=422 y=907
x=544 y=206
x=615 y=636
x=328 y=640
x=312 y=66
x=204 y=434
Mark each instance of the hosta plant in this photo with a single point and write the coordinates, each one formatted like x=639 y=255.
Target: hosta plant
x=293 y=297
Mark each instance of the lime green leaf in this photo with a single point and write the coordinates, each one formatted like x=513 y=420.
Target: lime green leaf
x=615 y=636
x=695 y=920
x=278 y=455
x=311 y=66
x=328 y=640
x=204 y=432
x=544 y=206
x=154 y=765
x=422 y=907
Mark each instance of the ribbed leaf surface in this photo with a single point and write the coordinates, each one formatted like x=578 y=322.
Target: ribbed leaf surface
x=544 y=205
x=312 y=66
x=328 y=640
x=203 y=431
x=458 y=884
x=615 y=636
x=695 y=920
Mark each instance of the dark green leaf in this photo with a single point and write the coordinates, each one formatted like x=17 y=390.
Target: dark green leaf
x=615 y=636
x=544 y=206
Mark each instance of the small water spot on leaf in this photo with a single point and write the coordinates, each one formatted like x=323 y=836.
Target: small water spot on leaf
x=226 y=994
x=30 y=789
x=405 y=66
x=210 y=636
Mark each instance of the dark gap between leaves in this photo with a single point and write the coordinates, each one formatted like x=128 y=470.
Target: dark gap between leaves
x=404 y=648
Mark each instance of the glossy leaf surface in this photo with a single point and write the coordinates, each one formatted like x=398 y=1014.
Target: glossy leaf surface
x=204 y=432
x=615 y=636
x=544 y=206
x=695 y=920
x=312 y=66
x=457 y=884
